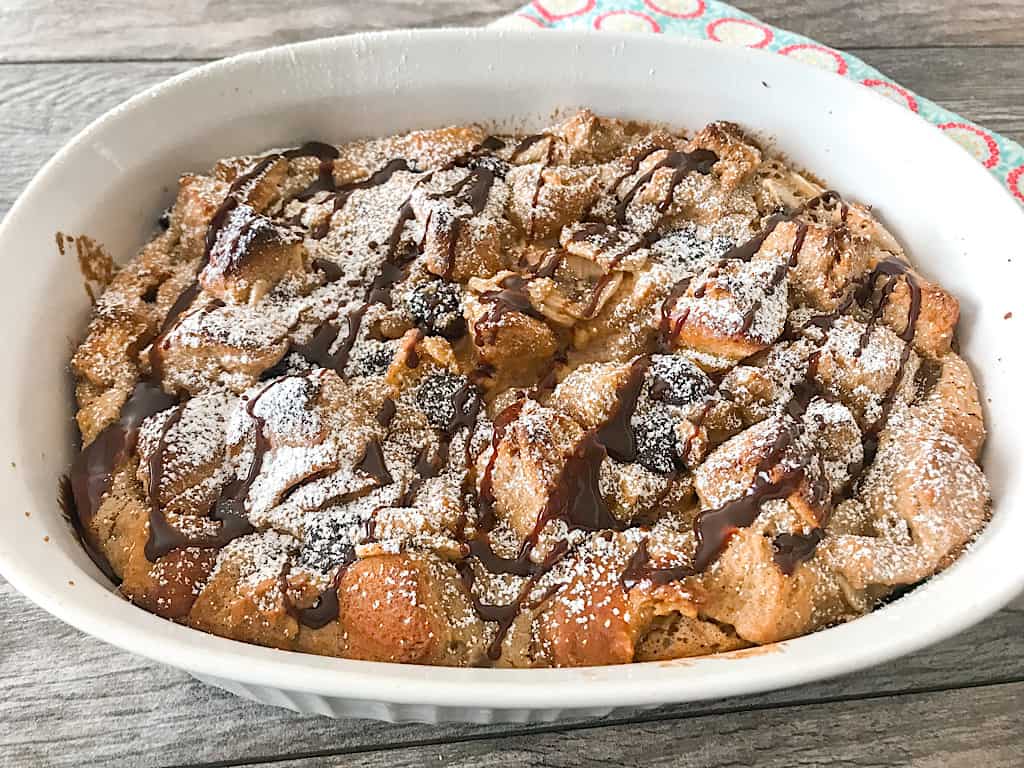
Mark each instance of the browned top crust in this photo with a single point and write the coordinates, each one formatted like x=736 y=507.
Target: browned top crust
x=597 y=395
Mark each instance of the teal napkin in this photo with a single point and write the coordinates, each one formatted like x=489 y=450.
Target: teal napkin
x=713 y=20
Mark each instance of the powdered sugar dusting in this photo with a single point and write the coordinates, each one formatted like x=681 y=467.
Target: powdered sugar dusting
x=369 y=312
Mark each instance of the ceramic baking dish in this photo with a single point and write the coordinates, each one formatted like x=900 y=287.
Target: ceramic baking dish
x=113 y=179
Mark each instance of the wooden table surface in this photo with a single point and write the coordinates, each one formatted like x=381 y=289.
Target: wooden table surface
x=69 y=700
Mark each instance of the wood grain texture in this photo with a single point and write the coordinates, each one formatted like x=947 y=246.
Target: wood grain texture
x=69 y=700
x=931 y=732
x=902 y=24
x=41 y=30
x=43 y=105
x=67 y=695
x=48 y=30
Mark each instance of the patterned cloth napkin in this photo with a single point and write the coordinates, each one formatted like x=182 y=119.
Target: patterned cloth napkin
x=713 y=20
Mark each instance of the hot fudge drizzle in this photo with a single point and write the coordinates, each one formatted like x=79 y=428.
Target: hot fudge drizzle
x=715 y=527
x=576 y=500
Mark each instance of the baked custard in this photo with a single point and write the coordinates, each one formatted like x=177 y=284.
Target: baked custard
x=602 y=394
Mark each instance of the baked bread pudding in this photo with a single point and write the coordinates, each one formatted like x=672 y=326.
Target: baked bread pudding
x=601 y=394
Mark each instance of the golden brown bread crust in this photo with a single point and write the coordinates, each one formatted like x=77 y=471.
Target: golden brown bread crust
x=441 y=399
x=388 y=611
x=593 y=626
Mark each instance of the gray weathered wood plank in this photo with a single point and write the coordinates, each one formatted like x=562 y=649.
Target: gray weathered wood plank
x=67 y=695
x=42 y=105
x=904 y=24
x=48 y=30
x=151 y=29
x=967 y=727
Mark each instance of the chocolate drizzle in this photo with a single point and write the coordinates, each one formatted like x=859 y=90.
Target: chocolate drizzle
x=373 y=463
x=511 y=296
x=231 y=201
x=550 y=264
x=228 y=509
x=220 y=217
x=381 y=176
x=68 y=508
x=612 y=238
x=474 y=189
x=791 y=549
x=528 y=142
x=93 y=468
x=576 y=500
x=91 y=473
x=486 y=496
x=183 y=302
x=318 y=350
x=591 y=229
x=471 y=190
x=375 y=179
x=671 y=328
x=428 y=464
x=325 y=609
x=638 y=569
x=331 y=271
x=326 y=154
x=892 y=269
x=491 y=144
x=777 y=276
x=715 y=527
x=462 y=412
x=387 y=412
x=682 y=163
x=466 y=404
x=549 y=153
x=617 y=434
x=505 y=615
x=746 y=251
x=159 y=343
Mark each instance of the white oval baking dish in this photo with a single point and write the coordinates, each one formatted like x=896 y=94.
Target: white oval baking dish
x=113 y=179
